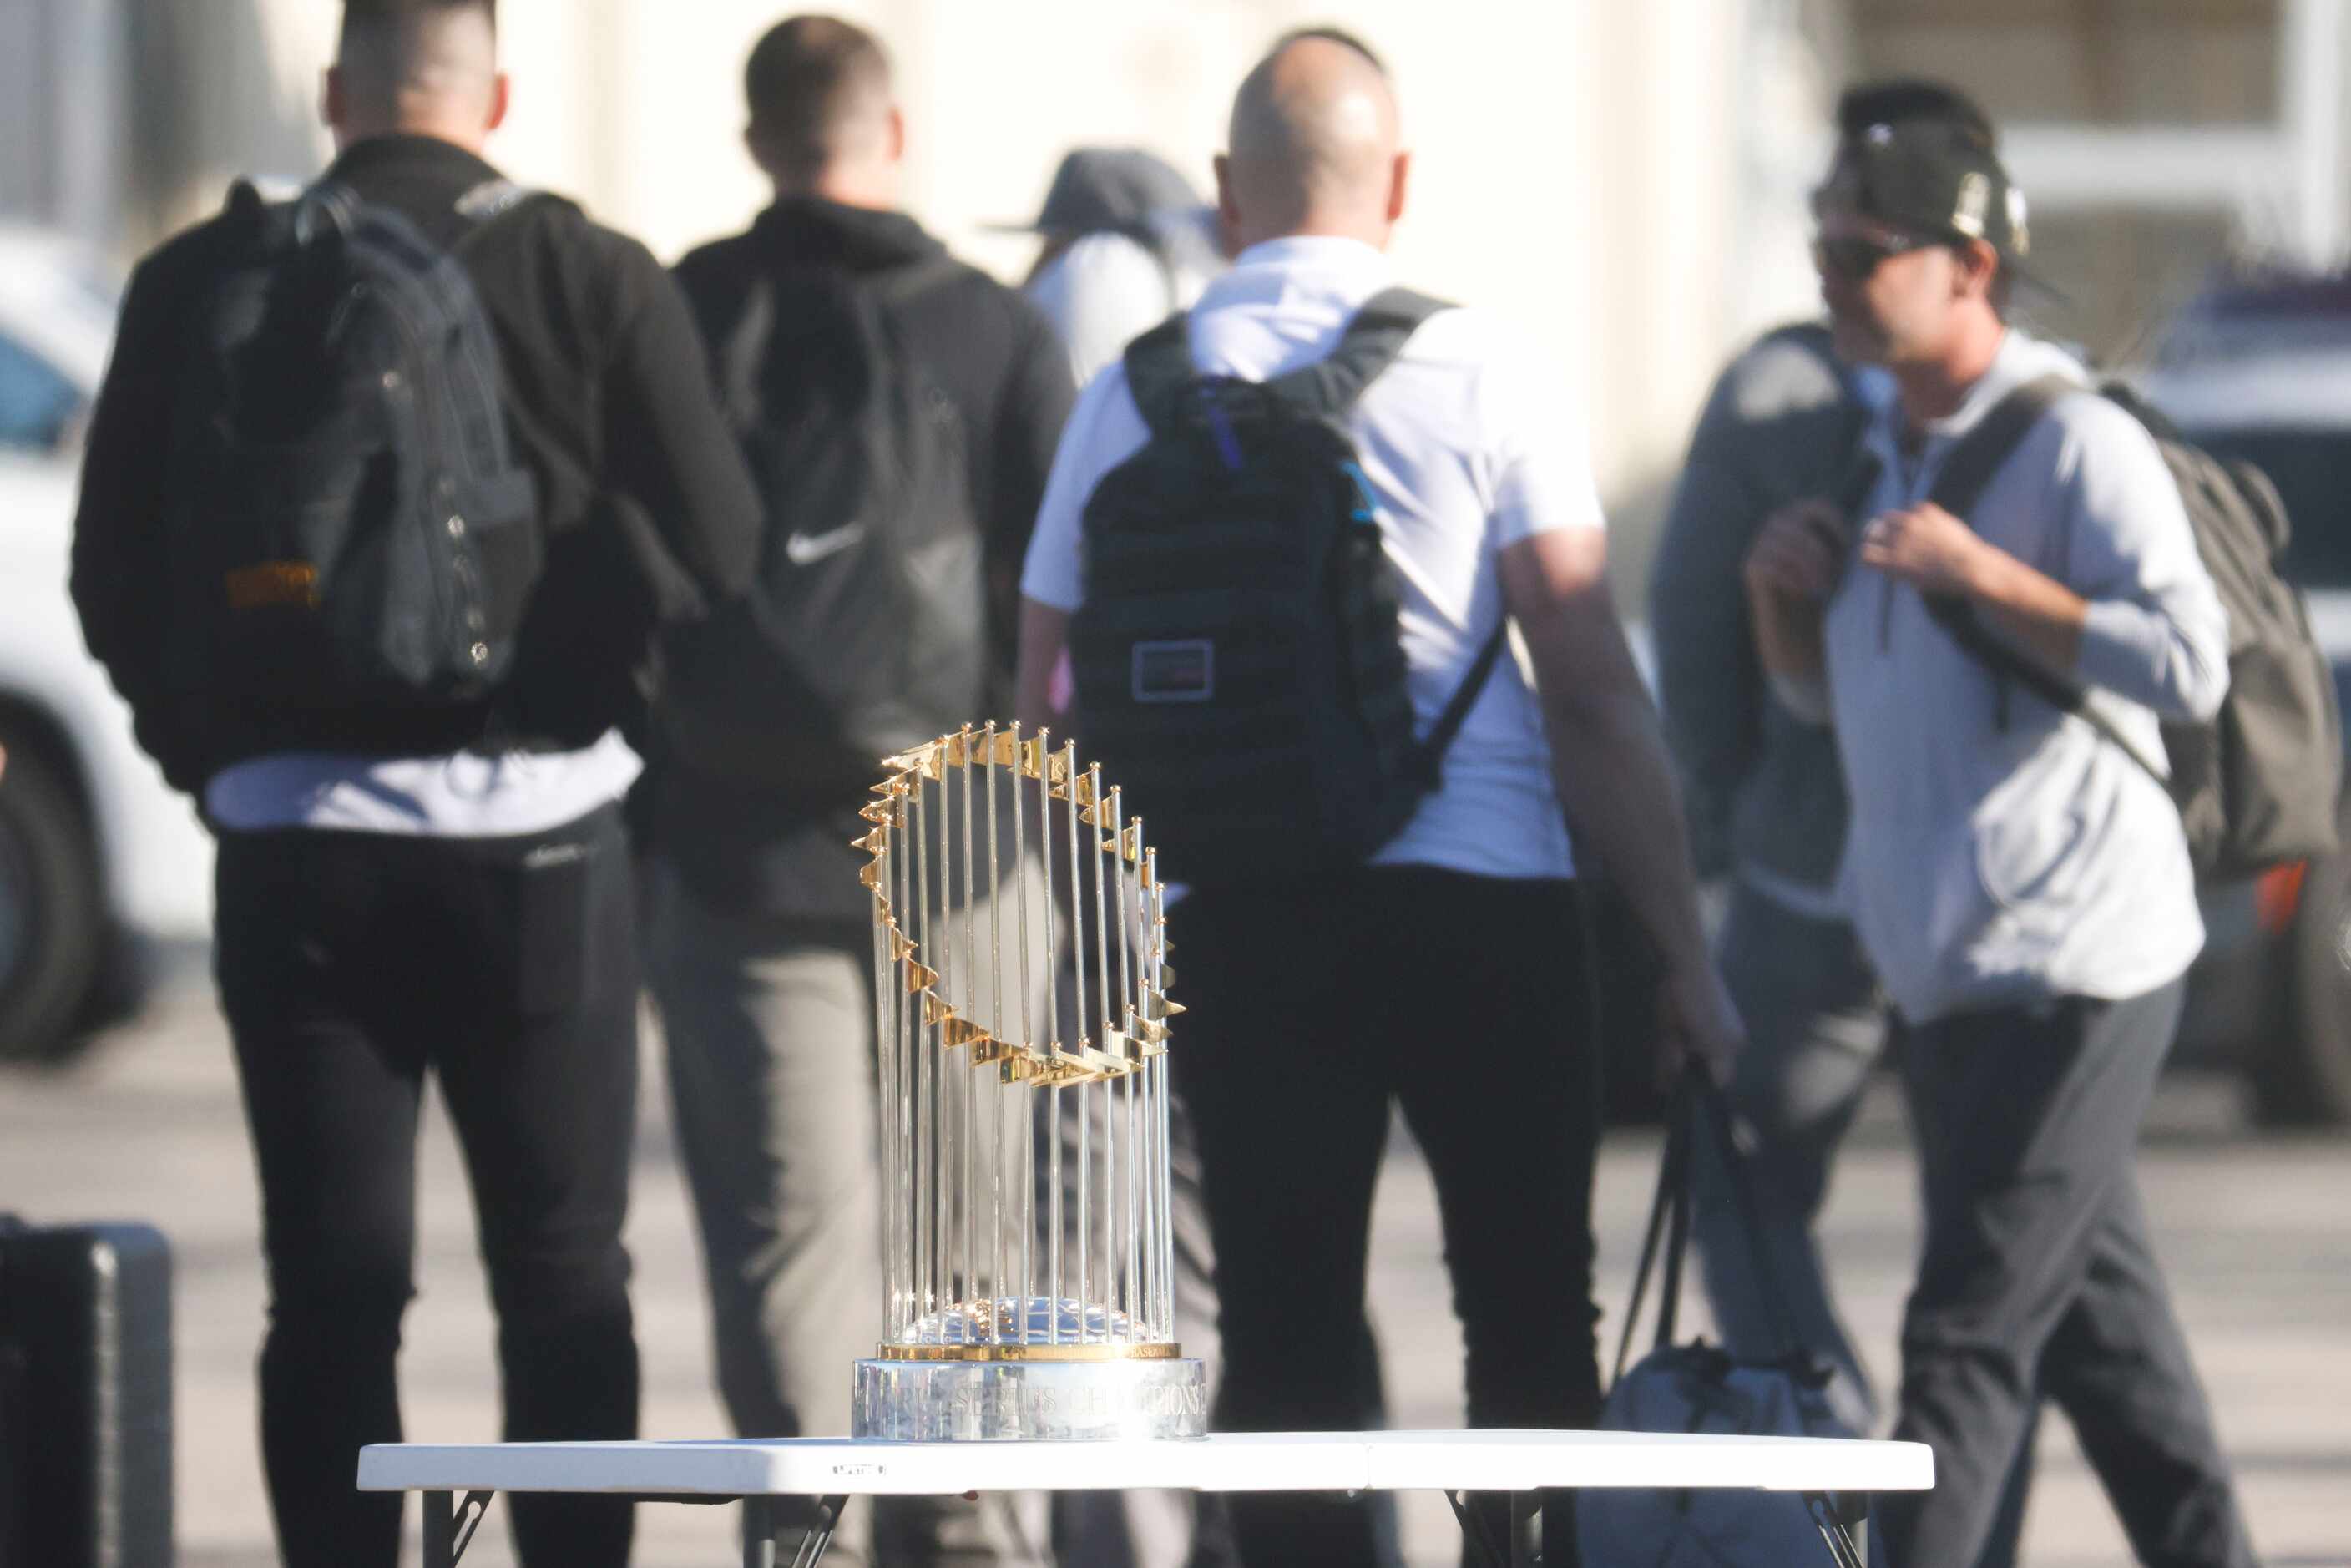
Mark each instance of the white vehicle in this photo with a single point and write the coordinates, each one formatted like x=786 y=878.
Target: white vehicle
x=99 y=858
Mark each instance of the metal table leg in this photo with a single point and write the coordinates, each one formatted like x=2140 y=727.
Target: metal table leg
x=819 y=1532
x=1843 y=1521
x=449 y=1525
x=760 y=1532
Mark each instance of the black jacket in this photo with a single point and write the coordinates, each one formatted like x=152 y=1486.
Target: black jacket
x=648 y=514
x=996 y=358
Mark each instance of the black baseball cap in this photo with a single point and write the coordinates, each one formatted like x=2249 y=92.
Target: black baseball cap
x=1922 y=159
x=1123 y=189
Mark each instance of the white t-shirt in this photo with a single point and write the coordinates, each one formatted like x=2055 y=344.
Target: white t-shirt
x=1471 y=444
x=470 y=795
x=1103 y=292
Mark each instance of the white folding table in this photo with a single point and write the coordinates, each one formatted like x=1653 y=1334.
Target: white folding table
x=1836 y=1478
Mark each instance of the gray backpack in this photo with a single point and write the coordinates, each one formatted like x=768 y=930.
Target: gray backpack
x=1698 y=1388
x=2257 y=786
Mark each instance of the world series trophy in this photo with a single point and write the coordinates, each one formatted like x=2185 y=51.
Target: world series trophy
x=1020 y=1303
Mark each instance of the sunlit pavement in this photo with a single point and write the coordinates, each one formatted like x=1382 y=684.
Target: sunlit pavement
x=2256 y=1233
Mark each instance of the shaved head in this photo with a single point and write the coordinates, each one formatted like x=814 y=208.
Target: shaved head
x=1316 y=144
x=426 y=67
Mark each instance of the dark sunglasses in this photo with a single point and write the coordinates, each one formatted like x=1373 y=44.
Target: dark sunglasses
x=1856 y=258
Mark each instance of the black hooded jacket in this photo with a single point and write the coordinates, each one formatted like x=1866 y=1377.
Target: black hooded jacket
x=997 y=360
x=648 y=514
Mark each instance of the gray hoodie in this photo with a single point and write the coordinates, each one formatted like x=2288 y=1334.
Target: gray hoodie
x=1761 y=786
x=2001 y=852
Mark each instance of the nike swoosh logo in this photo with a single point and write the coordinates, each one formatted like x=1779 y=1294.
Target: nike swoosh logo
x=807 y=550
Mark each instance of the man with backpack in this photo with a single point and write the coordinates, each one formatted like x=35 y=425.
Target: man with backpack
x=385 y=490
x=1281 y=542
x=899 y=411
x=1995 y=645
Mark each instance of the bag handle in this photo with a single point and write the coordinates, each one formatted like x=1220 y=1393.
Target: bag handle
x=1699 y=1108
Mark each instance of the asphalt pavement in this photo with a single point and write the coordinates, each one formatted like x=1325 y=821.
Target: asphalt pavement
x=2256 y=1233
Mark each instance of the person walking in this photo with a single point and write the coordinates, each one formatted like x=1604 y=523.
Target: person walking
x=898 y=408
x=1767 y=813
x=1314 y=1000
x=2021 y=885
x=386 y=489
x=1127 y=242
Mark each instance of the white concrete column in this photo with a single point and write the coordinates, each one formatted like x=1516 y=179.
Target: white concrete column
x=2309 y=94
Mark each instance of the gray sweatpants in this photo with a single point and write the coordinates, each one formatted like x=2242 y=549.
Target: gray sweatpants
x=769 y=1027
x=1816 y=1028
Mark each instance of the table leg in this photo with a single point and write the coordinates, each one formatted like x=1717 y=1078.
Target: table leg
x=1843 y=1521
x=1475 y=1537
x=440 y=1530
x=758 y=1532
x=819 y=1532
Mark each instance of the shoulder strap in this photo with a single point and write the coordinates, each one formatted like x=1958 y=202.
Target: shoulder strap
x=1375 y=337
x=1429 y=756
x=1966 y=471
x=1159 y=369
x=1980 y=452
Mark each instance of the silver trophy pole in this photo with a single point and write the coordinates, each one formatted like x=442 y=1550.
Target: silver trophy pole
x=1053 y=1030
x=1028 y=1040
x=996 y=1031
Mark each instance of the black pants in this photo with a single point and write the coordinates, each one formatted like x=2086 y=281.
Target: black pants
x=1310 y=1011
x=349 y=964
x=2039 y=1277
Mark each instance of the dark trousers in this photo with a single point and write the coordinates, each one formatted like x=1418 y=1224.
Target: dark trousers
x=1311 y=1009
x=350 y=964
x=2039 y=1277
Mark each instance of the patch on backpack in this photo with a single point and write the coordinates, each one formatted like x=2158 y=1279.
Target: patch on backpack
x=1175 y=672
x=273 y=585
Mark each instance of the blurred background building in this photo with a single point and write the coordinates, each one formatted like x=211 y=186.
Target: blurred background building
x=1625 y=180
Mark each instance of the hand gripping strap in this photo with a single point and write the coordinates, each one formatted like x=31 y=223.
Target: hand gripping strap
x=1966 y=471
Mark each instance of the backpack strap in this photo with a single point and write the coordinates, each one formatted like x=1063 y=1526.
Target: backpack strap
x=1982 y=453
x=1428 y=756
x=1375 y=337
x=1159 y=370
x=1966 y=471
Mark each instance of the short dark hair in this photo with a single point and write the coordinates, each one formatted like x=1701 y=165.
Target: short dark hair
x=805 y=80
x=359 y=14
x=1330 y=35
x=1902 y=98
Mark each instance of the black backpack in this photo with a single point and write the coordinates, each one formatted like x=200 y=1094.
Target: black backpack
x=2257 y=786
x=866 y=630
x=1236 y=656
x=349 y=529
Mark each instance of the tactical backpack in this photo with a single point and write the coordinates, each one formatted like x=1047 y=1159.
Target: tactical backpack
x=1237 y=658
x=2257 y=786
x=349 y=529
x=865 y=631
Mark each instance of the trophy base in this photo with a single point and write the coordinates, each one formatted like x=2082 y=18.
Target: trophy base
x=945 y=1401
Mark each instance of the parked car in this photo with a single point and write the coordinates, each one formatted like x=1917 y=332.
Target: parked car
x=2259 y=367
x=100 y=860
